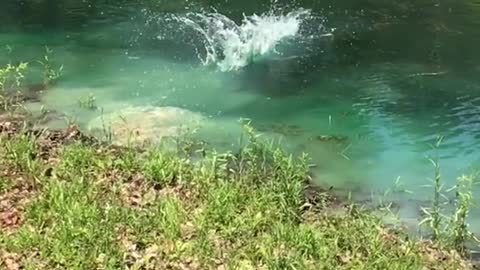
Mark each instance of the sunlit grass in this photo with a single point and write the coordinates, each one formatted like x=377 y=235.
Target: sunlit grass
x=160 y=209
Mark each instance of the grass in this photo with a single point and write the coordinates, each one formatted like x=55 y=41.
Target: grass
x=91 y=206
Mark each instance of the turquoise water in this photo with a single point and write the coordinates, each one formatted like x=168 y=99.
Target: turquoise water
x=388 y=79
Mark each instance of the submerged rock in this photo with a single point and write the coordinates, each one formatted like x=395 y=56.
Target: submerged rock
x=330 y=138
x=283 y=129
x=28 y=93
x=147 y=124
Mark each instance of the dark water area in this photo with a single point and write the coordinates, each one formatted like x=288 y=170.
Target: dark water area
x=389 y=76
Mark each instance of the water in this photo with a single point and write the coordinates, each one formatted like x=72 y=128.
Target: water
x=383 y=80
x=234 y=46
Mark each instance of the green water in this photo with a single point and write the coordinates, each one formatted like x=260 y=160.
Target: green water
x=388 y=77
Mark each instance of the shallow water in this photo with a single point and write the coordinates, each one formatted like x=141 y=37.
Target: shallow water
x=389 y=78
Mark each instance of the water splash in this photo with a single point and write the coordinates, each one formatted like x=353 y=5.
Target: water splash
x=232 y=46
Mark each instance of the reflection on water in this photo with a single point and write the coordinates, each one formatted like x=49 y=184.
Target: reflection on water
x=365 y=99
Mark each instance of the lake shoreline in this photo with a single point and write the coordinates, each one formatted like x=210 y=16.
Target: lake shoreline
x=35 y=159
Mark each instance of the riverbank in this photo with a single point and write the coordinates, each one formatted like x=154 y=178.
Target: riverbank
x=69 y=201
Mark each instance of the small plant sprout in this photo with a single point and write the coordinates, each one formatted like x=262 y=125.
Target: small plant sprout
x=449 y=227
x=50 y=72
x=88 y=102
x=457 y=229
x=433 y=215
x=11 y=78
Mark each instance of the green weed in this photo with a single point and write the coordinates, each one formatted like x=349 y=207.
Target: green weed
x=449 y=227
x=457 y=229
x=77 y=160
x=21 y=152
x=51 y=73
x=88 y=102
x=162 y=167
x=73 y=225
x=11 y=78
x=5 y=184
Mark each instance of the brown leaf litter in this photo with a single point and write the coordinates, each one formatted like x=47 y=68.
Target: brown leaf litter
x=10 y=261
x=161 y=255
x=12 y=206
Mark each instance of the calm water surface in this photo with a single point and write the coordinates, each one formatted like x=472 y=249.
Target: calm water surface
x=388 y=78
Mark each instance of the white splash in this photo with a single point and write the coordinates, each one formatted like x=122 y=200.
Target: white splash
x=233 y=46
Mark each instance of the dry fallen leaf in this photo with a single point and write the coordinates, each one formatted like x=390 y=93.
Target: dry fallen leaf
x=151 y=251
x=149 y=197
x=100 y=261
x=9 y=219
x=187 y=230
x=10 y=262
